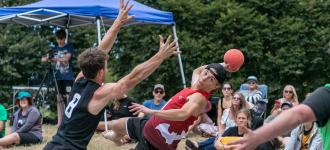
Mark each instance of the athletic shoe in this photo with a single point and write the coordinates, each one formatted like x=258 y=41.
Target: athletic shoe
x=191 y=145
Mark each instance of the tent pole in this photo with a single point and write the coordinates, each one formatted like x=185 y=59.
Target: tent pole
x=179 y=56
x=98 y=30
x=98 y=23
x=67 y=35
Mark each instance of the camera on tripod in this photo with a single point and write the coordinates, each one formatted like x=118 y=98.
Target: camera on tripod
x=51 y=54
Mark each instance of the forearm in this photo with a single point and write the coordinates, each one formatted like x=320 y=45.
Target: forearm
x=111 y=91
x=109 y=38
x=219 y=123
x=140 y=72
x=64 y=59
x=220 y=127
x=172 y=114
x=286 y=121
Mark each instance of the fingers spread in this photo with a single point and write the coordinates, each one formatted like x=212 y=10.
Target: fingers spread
x=129 y=8
x=125 y=7
x=168 y=40
x=121 y=4
x=161 y=40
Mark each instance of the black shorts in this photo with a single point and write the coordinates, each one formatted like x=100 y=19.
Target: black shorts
x=55 y=146
x=64 y=86
x=134 y=128
x=28 y=138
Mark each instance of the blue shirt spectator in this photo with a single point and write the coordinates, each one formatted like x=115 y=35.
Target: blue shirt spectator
x=157 y=102
x=63 y=68
x=151 y=104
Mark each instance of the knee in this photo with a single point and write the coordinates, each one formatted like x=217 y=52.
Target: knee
x=16 y=138
x=117 y=124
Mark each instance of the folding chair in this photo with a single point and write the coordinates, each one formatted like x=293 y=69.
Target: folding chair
x=261 y=106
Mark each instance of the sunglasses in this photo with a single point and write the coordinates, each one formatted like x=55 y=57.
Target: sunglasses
x=159 y=91
x=237 y=98
x=288 y=92
x=226 y=89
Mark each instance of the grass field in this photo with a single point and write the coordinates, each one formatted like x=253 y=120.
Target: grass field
x=97 y=142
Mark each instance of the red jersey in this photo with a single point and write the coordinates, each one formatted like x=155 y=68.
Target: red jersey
x=166 y=134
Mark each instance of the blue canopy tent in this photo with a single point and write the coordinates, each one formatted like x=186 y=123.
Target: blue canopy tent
x=75 y=13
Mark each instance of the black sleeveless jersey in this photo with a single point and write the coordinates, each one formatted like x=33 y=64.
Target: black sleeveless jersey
x=78 y=125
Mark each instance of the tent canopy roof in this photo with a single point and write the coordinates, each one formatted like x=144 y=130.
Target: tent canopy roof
x=72 y=13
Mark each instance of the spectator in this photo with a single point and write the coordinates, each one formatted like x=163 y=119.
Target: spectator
x=118 y=109
x=224 y=103
x=229 y=114
x=289 y=95
x=228 y=120
x=305 y=137
x=314 y=108
x=157 y=102
x=243 y=120
x=283 y=139
x=253 y=95
x=27 y=123
x=62 y=55
x=3 y=119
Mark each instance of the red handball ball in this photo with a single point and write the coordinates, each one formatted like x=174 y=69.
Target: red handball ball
x=234 y=58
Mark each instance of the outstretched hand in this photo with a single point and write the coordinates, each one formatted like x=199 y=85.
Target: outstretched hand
x=137 y=108
x=123 y=16
x=167 y=48
x=248 y=142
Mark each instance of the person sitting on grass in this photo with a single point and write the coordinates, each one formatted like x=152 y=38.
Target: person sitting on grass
x=27 y=124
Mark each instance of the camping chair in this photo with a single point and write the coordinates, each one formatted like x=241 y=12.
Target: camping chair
x=261 y=106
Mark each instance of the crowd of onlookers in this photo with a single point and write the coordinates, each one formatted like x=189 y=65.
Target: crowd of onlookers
x=235 y=110
x=241 y=109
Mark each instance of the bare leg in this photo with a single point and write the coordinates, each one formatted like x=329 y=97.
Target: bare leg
x=119 y=126
x=60 y=109
x=10 y=139
x=117 y=130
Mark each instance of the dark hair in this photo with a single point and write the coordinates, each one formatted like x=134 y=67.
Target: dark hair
x=91 y=61
x=61 y=34
x=221 y=75
x=231 y=86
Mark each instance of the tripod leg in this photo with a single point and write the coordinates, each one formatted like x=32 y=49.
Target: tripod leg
x=40 y=87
